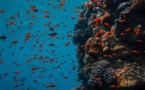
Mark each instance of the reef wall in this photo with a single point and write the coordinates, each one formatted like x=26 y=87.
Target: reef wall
x=110 y=40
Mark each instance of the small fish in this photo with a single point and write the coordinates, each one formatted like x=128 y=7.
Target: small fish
x=88 y=65
x=77 y=7
x=114 y=54
x=100 y=84
x=93 y=85
x=45 y=16
x=140 y=41
x=122 y=34
x=143 y=51
x=65 y=77
x=143 y=32
x=136 y=31
x=2 y=60
x=92 y=26
x=107 y=34
x=135 y=51
x=106 y=24
x=53 y=34
x=14 y=41
x=3 y=37
x=112 y=86
x=9 y=23
x=17 y=72
x=100 y=5
x=33 y=68
x=98 y=79
x=33 y=8
x=96 y=20
x=118 y=86
x=40 y=57
x=51 y=44
x=67 y=43
x=122 y=20
x=88 y=4
x=127 y=29
x=2 y=11
x=52 y=85
x=95 y=1
x=87 y=44
x=120 y=78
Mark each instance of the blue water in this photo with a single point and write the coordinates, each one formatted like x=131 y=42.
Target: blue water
x=15 y=58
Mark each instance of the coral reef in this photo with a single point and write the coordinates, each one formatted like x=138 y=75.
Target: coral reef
x=110 y=39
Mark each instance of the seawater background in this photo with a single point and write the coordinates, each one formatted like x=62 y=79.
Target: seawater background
x=11 y=7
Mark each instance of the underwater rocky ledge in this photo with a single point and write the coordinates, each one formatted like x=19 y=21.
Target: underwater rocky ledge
x=110 y=40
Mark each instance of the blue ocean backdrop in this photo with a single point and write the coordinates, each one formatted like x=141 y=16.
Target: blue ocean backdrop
x=36 y=52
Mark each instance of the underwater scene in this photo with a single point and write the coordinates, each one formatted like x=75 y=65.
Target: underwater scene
x=72 y=45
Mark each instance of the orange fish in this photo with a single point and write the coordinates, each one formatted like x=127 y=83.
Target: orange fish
x=52 y=85
x=27 y=61
x=27 y=35
x=77 y=7
x=122 y=20
x=92 y=25
x=9 y=23
x=134 y=51
x=96 y=20
x=53 y=34
x=122 y=34
x=45 y=16
x=107 y=34
x=119 y=78
x=34 y=68
x=2 y=60
x=94 y=51
x=51 y=44
x=93 y=85
x=143 y=32
x=40 y=57
x=143 y=51
x=88 y=4
x=34 y=9
x=88 y=65
x=67 y=43
x=61 y=4
x=106 y=24
x=98 y=79
x=127 y=29
x=87 y=44
x=101 y=83
x=140 y=41
x=112 y=86
x=100 y=43
x=65 y=77
x=100 y=5
x=79 y=17
x=3 y=37
x=82 y=46
x=114 y=54
x=1 y=11
x=118 y=86
x=136 y=31
x=14 y=41
x=95 y=1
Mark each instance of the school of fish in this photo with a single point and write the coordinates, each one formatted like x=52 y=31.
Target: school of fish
x=36 y=45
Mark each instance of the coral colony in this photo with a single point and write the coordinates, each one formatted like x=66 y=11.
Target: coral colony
x=110 y=40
